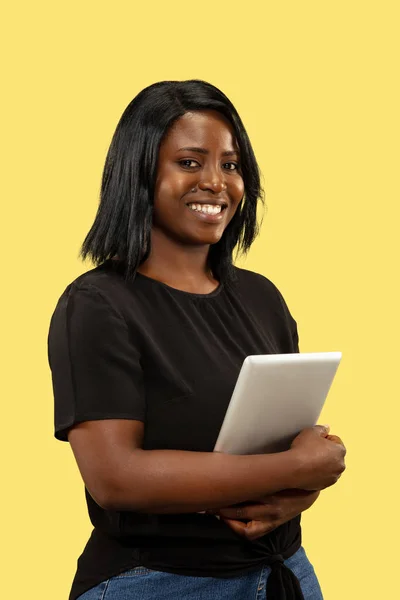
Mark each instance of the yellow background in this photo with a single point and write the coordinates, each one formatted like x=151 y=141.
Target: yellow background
x=316 y=84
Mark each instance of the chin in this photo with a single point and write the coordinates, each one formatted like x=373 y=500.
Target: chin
x=206 y=240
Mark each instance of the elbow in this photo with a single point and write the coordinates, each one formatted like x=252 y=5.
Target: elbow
x=105 y=500
x=102 y=494
x=113 y=497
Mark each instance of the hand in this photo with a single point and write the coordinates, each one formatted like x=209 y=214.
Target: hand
x=321 y=457
x=256 y=520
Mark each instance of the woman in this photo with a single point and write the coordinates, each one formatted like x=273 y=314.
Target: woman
x=145 y=350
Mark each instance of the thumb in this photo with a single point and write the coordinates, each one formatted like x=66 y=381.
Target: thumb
x=238 y=526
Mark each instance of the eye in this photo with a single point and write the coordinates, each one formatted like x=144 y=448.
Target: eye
x=184 y=164
x=235 y=165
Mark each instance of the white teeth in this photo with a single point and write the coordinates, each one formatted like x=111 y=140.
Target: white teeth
x=210 y=209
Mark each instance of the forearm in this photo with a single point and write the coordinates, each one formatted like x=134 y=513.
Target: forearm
x=169 y=481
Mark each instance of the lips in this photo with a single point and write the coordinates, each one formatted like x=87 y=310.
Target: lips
x=211 y=214
x=210 y=209
x=213 y=202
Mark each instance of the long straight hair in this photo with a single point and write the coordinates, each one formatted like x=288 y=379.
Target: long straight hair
x=123 y=222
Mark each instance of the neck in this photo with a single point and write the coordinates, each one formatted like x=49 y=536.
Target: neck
x=181 y=266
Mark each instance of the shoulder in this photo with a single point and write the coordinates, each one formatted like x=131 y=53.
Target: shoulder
x=101 y=286
x=252 y=282
x=258 y=289
x=90 y=310
x=251 y=277
x=103 y=278
x=88 y=307
x=262 y=295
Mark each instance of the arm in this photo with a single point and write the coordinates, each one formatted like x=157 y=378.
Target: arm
x=121 y=476
x=97 y=374
x=254 y=520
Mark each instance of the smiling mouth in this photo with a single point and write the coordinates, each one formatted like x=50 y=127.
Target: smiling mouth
x=207 y=209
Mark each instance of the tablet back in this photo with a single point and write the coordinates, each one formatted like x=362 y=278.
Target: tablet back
x=275 y=397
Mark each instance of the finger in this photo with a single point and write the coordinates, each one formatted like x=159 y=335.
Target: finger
x=323 y=430
x=335 y=438
x=238 y=526
x=256 y=529
x=245 y=513
x=292 y=494
x=251 y=530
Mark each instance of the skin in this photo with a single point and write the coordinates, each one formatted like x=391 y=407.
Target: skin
x=253 y=520
x=180 y=240
x=118 y=473
x=258 y=519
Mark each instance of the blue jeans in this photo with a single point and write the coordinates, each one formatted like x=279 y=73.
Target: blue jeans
x=144 y=584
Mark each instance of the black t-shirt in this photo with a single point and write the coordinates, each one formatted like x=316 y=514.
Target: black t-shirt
x=144 y=350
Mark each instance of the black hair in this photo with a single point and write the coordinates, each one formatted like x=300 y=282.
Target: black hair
x=123 y=222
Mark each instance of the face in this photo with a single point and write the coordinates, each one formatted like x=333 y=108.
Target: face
x=199 y=183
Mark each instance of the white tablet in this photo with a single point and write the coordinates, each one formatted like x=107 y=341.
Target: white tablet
x=275 y=397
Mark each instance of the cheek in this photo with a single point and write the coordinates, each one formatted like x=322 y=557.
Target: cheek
x=238 y=187
x=164 y=192
x=170 y=184
x=237 y=191
x=168 y=199
x=164 y=196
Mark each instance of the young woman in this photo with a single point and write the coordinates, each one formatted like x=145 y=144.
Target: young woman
x=145 y=349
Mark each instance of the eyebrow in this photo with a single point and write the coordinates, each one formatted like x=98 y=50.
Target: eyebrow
x=204 y=151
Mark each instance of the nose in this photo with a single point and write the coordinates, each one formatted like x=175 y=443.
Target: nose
x=214 y=181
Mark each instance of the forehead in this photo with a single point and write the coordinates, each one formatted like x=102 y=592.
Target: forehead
x=208 y=129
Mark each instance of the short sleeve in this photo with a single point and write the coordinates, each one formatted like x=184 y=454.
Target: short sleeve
x=291 y=323
x=95 y=365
